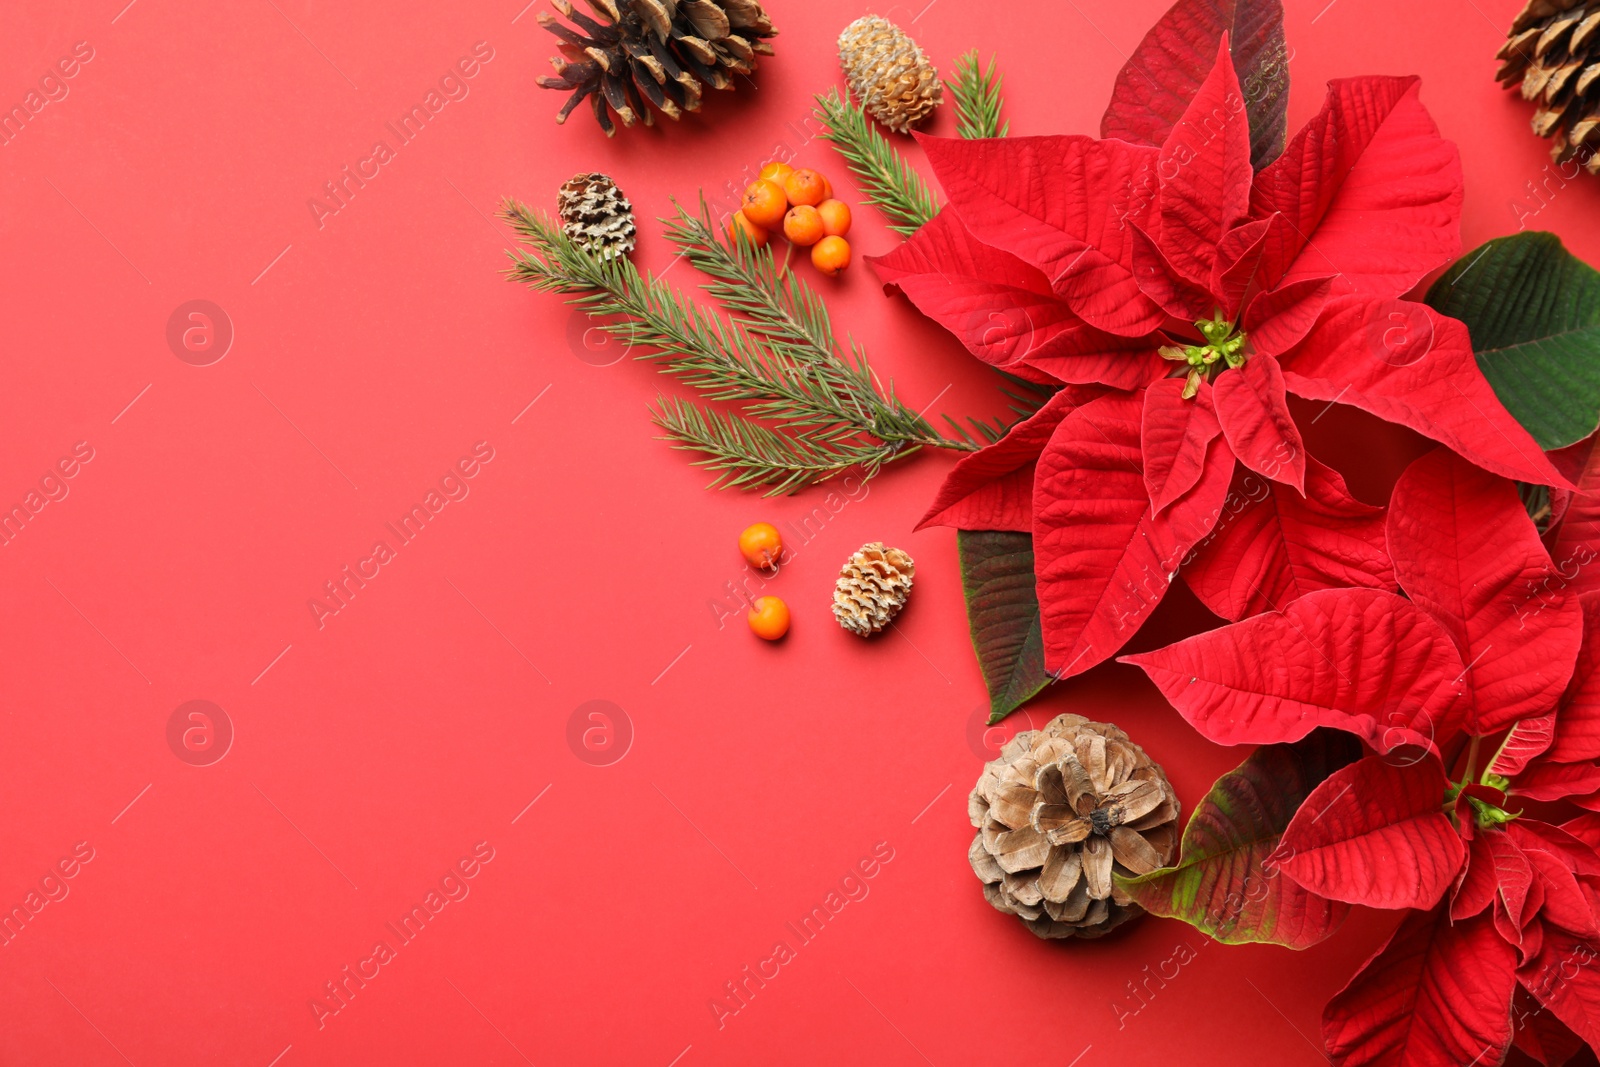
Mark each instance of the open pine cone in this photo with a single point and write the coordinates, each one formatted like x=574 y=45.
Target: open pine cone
x=596 y=215
x=652 y=53
x=1553 y=53
x=1057 y=813
x=873 y=586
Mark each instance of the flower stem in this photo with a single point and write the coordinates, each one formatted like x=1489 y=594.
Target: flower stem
x=1472 y=758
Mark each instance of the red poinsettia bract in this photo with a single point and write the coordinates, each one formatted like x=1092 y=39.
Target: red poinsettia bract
x=1487 y=651
x=1181 y=296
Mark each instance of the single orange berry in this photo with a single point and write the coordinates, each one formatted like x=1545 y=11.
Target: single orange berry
x=803 y=225
x=806 y=187
x=769 y=618
x=835 y=217
x=762 y=545
x=831 y=255
x=764 y=203
x=775 y=171
x=740 y=221
x=827 y=187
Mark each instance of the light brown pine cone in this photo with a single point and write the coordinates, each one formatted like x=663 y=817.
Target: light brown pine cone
x=873 y=586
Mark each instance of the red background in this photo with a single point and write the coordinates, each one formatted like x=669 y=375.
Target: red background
x=372 y=753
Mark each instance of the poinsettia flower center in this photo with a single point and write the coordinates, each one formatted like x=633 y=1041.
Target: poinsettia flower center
x=1223 y=345
x=1486 y=800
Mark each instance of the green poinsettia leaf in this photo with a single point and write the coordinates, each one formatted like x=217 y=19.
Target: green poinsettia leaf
x=1222 y=884
x=1003 y=611
x=1533 y=309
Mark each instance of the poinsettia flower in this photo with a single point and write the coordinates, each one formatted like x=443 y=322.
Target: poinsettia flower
x=1192 y=295
x=1482 y=647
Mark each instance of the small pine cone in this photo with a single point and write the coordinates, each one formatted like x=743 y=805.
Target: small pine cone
x=872 y=588
x=596 y=216
x=888 y=73
x=643 y=56
x=1553 y=54
x=1058 y=813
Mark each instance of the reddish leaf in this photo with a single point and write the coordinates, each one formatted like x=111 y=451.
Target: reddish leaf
x=1495 y=872
x=1438 y=993
x=992 y=489
x=1239 y=258
x=1554 y=861
x=1204 y=173
x=1278 y=320
x=1223 y=884
x=1374 y=833
x=1254 y=412
x=1161 y=282
x=1565 y=977
x=1441 y=394
x=1466 y=553
x=1585 y=828
x=1557 y=781
x=1004 y=311
x=1527 y=741
x=1092 y=356
x=1358 y=660
x=1576 y=543
x=1154 y=89
x=1540 y=1034
x=1062 y=204
x=1372 y=192
x=1577 y=727
x=1174 y=436
x=1515 y=888
x=1103 y=561
x=1272 y=546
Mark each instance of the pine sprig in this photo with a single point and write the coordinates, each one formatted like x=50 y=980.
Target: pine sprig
x=977 y=94
x=882 y=175
x=771 y=352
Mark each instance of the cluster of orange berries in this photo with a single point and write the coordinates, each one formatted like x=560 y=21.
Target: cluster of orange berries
x=762 y=546
x=800 y=203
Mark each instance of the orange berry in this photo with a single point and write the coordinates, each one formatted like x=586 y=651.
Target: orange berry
x=776 y=171
x=764 y=203
x=762 y=545
x=803 y=225
x=740 y=221
x=827 y=187
x=769 y=618
x=831 y=255
x=835 y=217
x=806 y=187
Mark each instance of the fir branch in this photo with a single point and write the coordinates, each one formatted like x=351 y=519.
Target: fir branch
x=747 y=455
x=977 y=94
x=772 y=351
x=883 y=176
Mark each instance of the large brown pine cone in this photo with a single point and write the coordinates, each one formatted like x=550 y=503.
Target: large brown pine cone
x=643 y=54
x=1553 y=54
x=1060 y=811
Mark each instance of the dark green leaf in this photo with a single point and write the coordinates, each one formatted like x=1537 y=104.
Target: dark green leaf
x=1533 y=309
x=1003 y=610
x=1222 y=885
